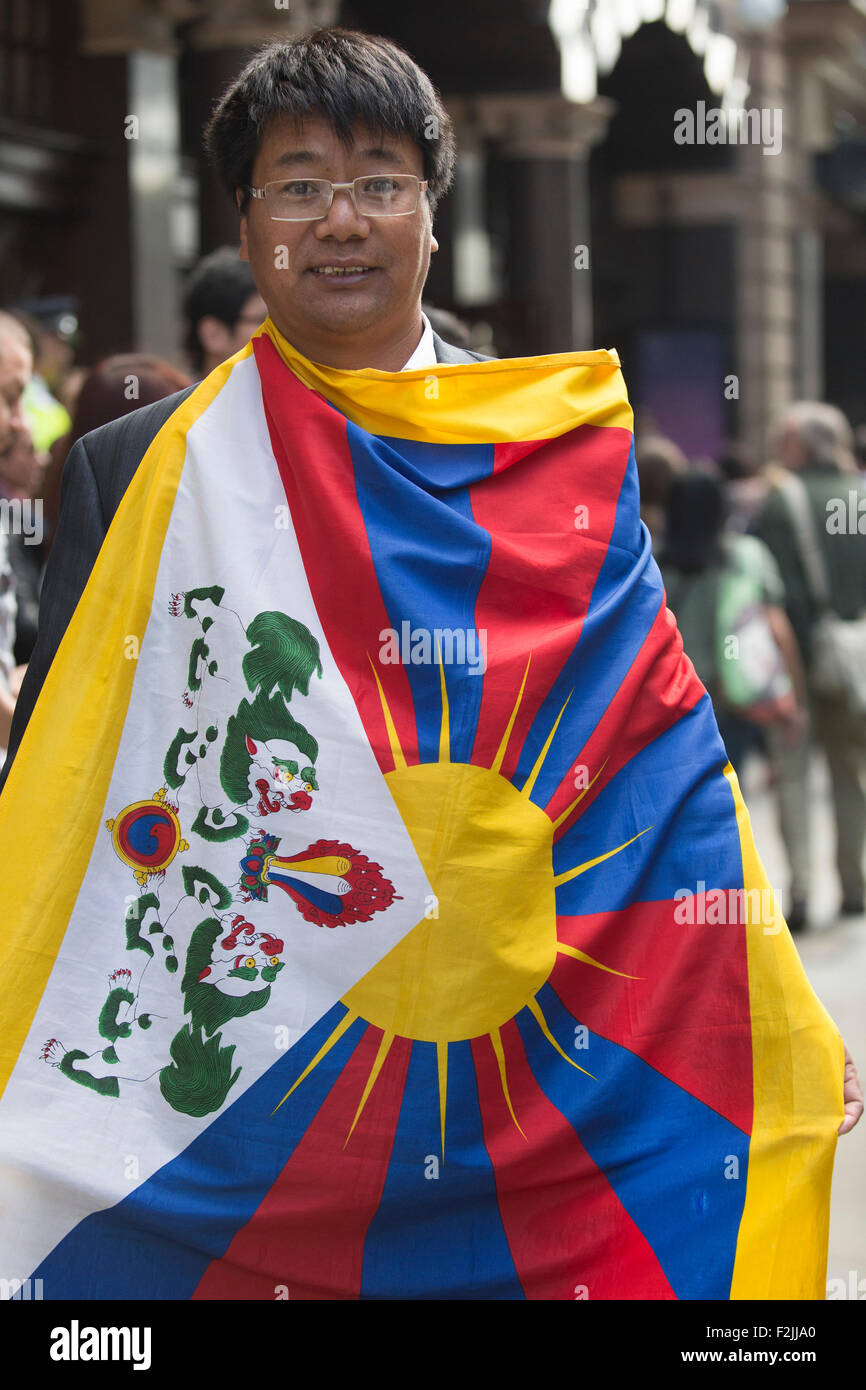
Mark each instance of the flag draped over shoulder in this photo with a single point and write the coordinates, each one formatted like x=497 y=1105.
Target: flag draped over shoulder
x=381 y=916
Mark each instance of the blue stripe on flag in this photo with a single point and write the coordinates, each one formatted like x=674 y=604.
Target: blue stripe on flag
x=439 y=1236
x=430 y=558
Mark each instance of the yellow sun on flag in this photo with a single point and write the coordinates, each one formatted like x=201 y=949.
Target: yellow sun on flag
x=490 y=942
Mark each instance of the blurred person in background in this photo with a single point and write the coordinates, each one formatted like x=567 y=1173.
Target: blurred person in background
x=16 y=365
x=449 y=326
x=22 y=469
x=659 y=462
x=728 y=598
x=746 y=485
x=473 y=337
x=46 y=415
x=222 y=308
x=817 y=504
x=114 y=387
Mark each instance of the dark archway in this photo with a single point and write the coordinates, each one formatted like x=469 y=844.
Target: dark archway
x=663 y=279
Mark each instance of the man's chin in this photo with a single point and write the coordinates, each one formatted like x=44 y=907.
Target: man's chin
x=346 y=318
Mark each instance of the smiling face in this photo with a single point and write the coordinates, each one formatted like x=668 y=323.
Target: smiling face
x=368 y=320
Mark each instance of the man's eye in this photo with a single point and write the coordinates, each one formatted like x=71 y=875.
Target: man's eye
x=297 y=188
x=380 y=187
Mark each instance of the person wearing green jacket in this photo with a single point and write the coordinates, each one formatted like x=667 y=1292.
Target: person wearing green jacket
x=814 y=441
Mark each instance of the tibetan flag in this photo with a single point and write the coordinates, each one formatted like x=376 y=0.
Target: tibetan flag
x=380 y=914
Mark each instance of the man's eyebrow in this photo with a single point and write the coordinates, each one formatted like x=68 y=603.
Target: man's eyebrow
x=311 y=156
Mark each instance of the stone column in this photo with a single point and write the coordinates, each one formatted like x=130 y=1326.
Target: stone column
x=146 y=130
x=549 y=139
x=767 y=353
x=824 y=42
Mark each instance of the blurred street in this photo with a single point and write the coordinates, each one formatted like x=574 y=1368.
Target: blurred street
x=834 y=954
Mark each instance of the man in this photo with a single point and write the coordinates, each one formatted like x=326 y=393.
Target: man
x=16 y=365
x=222 y=308
x=371 y=318
x=814 y=442
x=312 y=140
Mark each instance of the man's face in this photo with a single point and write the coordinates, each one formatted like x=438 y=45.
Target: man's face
x=16 y=367
x=320 y=314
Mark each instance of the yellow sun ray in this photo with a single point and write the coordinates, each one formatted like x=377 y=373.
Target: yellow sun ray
x=526 y=790
x=396 y=750
x=325 y=1048
x=384 y=1049
x=496 y=1039
x=588 y=960
x=535 y=1010
x=561 y=819
x=591 y=863
x=500 y=752
x=442 y=1064
x=444 y=734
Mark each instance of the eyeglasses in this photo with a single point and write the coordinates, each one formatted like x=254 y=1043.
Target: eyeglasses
x=308 y=200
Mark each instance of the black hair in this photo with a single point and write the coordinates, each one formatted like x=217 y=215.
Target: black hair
x=696 y=514
x=347 y=77
x=219 y=285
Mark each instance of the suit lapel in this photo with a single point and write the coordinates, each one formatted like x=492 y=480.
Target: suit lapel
x=448 y=354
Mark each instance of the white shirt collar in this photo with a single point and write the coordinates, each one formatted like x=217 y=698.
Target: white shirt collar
x=425 y=353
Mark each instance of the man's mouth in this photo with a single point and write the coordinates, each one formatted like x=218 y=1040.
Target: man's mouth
x=351 y=274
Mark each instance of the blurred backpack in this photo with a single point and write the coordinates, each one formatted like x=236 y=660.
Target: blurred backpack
x=754 y=680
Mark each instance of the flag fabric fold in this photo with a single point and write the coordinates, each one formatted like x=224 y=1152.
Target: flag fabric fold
x=381 y=915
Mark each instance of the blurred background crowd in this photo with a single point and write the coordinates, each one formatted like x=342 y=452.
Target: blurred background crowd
x=730 y=276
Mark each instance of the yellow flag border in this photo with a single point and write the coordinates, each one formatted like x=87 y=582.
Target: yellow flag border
x=473 y=402
x=797 y=1059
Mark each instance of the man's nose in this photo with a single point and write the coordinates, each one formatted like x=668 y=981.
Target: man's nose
x=342 y=220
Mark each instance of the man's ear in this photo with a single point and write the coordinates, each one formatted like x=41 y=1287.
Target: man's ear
x=434 y=245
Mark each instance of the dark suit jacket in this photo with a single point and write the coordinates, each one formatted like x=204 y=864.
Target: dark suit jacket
x=96 y=474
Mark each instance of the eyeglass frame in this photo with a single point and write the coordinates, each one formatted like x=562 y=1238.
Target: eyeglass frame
x=261 y=193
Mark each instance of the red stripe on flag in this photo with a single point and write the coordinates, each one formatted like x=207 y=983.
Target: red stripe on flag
x=568 y=1232
x=542 y=569
x=660 y=687
x=335 y=549
x=687 y=1014
x=308 y=1233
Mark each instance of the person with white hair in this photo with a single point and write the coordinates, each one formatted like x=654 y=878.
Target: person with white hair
x=814 y=521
